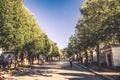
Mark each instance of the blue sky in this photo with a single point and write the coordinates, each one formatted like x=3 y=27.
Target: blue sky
x=57 y=18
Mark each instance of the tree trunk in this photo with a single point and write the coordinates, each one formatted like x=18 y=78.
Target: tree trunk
x=38 y=59
x=59 y=58
x=91 y=54
x=81 y=60
x=119 y=38
x=78 y=56
x=98 y=57
x=86 y=56
x=22 y=58
x=16 y=57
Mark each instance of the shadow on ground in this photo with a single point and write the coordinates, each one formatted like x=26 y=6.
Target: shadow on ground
x=33 y=70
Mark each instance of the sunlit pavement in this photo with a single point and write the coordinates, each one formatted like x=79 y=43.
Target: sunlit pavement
x=106 y=73
x=55 y=71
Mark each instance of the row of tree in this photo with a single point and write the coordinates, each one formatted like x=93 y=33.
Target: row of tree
x=100 y=23
x=20 y=32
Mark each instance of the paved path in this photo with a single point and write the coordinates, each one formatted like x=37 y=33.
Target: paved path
x=54 y=71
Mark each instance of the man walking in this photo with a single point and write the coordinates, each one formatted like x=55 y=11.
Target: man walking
x=70 y=60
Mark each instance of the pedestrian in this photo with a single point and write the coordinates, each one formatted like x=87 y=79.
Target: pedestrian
x=90 y=62
x=7 y=62
x=70 y=60
x=1 y=60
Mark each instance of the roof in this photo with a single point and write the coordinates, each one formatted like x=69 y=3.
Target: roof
x=8 y=52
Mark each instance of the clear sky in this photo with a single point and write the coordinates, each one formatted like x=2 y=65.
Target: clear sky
x=57 y=18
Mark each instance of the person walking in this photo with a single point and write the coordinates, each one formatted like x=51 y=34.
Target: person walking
x=70 y=60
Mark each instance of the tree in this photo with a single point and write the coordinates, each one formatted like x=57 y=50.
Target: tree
x=85 y=39
x=72 y=46
x=100 y=24
x=19 y=30
x=103 y=22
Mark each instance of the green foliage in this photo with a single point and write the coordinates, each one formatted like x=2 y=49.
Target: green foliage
x=19 y=30
x=103 y=18
x=60 y=53
x=100 y=24
x=54 y=51
x=73 y=45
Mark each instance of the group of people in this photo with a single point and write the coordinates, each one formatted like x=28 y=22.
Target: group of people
x=86 y=62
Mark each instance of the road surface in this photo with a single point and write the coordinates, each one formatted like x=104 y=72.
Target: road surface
x=54 y=71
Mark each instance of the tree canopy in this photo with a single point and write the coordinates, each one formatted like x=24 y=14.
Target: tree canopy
x=19 y=30
x=100 y=24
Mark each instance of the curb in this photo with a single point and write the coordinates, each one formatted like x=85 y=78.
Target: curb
x=97 y=73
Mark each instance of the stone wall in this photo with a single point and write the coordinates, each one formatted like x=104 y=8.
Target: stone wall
x=116 y=56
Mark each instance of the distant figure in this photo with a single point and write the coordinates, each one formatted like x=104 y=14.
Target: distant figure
x=7 y=62
x=90 y=62
x=70 y=60
x=1 y=60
